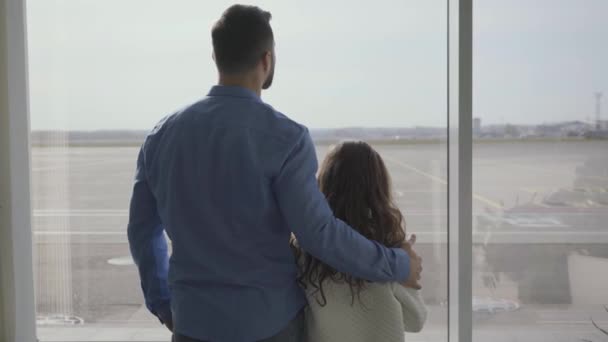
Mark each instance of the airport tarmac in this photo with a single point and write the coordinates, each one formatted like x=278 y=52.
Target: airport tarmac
x=81 y=196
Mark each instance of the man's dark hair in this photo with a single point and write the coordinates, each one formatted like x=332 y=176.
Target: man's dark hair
x=240 y=38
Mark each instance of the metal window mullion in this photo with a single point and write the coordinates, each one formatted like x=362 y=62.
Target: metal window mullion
x=460 y=170
x=16 y=268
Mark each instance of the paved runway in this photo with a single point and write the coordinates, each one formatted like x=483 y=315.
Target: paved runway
x=81 y=197
x=90 y=187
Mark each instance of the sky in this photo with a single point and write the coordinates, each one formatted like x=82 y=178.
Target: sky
x=124 y=64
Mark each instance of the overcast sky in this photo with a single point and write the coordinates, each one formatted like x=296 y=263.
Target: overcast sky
x=124 y=64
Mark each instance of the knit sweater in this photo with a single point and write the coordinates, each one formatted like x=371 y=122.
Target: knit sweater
x=383 y=313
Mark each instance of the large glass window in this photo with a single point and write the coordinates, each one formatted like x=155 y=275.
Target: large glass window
x=540 y=171
x=102 y=73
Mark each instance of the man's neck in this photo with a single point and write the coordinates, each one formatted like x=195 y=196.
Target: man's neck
x=240 y=82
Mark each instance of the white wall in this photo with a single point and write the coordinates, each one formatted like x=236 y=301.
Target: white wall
x=17 y=308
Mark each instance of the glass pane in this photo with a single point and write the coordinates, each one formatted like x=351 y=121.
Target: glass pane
x=540 y=170
x=102 y=73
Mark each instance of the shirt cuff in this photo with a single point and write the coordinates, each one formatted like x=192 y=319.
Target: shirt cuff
x=401 y=268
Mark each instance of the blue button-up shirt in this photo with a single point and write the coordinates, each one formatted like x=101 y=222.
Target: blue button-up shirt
x=229 y=178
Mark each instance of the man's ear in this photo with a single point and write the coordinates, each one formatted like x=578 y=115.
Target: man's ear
x=267 y=61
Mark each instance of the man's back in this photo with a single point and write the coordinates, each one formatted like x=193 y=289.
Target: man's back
x=210 y=167
x=228 y=178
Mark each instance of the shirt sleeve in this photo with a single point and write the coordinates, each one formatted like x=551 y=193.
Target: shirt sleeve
x=412 y=306
x=319 y=233
x=148 y=244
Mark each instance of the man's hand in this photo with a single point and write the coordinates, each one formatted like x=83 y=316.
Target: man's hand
x=169 y=325
x=166 y=318
x=415 y=264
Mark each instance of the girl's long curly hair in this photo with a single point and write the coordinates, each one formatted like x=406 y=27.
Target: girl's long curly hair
x=357 y=185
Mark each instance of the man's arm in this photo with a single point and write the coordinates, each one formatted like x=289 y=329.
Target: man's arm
x=149 y=246
x=321 y=234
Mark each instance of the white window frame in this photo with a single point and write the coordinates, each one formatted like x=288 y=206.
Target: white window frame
x=17 y=304
x=460 y=170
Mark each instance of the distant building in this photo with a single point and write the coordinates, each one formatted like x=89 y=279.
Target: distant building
x=511 y=131
x=548 y=130
x=602 y=125
x=476 y=126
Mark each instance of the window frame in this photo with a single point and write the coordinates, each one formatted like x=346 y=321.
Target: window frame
x=17 y=311
x=460 y=169
x=16 y=266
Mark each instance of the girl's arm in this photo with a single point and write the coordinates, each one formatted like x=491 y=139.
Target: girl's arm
x=412 y=306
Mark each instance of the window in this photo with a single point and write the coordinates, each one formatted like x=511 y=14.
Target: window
x=540 y=170
x=103 y=73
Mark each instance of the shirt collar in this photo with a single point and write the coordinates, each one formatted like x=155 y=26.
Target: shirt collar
x=233 y=91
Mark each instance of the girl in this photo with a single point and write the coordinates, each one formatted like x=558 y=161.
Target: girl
x=341 y=308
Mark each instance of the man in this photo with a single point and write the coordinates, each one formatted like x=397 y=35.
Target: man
x=229 y=178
